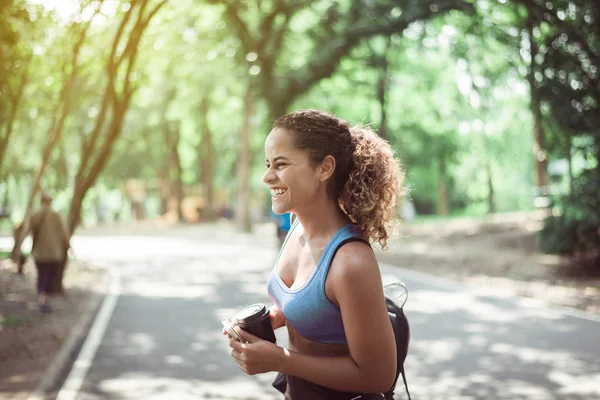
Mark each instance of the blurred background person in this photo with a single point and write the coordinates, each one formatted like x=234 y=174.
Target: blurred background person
x=49 y=249
x=283 y=223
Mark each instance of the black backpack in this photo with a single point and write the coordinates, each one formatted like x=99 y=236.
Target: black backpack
x=399 y=325
x=402 y=336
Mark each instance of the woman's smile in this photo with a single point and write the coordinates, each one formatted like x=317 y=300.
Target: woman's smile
x=276 y=193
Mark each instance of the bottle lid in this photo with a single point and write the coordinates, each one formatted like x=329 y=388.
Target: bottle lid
x=251 y=313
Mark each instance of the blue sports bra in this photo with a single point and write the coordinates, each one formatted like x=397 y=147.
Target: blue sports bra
x=307 y=308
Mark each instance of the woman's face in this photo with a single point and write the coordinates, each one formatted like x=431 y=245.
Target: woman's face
x=290 y=176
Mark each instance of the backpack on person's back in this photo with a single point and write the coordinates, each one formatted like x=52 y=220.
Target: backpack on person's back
x=399 y=323
x=401 y=334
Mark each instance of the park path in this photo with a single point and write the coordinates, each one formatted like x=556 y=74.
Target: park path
x=164 y=338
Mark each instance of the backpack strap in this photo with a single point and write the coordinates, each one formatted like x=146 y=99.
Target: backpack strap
x=350 y=239
x=405 y=384
x=399 y=325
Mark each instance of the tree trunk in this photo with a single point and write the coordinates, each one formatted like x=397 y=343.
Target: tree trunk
x=176 y=172
x=86 y=181
x=164 y=190
x=539 y=149
x=62 y=170
x=570 y=161
x=165 y=162
x=442 y=191
x=207 y=152
x=541 y=159
x=6 y=199
x=382 y=84
x=243 y=217
x=490 y=184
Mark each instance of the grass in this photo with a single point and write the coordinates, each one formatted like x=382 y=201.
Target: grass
x=8 y=321
x=473 y=213
x=441 y=219
x=6 y=254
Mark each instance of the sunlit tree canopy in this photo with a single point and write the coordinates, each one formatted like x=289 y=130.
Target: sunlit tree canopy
x=159 y=108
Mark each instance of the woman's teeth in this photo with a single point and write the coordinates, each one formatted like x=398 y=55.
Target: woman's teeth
x=278 y=192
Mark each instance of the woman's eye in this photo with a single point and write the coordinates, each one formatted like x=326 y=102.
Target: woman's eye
x=276 y=166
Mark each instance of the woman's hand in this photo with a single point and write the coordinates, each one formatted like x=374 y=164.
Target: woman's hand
x=257 y=356
x=277 y=317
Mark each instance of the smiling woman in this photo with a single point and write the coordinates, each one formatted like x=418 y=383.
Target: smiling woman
x=342 y=184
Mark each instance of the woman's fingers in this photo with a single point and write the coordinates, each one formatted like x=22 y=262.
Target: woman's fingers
x=247 y=336
x=234 y=344
x=236 y=354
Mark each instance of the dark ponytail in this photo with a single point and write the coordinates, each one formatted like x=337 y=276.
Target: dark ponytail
x=373 y=189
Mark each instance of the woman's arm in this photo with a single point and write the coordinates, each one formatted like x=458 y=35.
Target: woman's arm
x=356 y=286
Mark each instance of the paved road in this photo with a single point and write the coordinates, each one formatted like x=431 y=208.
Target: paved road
x=164 y=341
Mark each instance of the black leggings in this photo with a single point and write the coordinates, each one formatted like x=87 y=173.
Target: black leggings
x=299 y=389
x=46 y=275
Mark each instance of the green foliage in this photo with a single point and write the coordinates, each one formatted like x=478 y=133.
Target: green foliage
x=577 y=227
x=14 y=25
x=4 y=254
x=559 y=235
x=567 y=77
x=457 y=98
x=16 y=29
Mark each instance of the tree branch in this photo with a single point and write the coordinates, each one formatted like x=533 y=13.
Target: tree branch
x=141 y=27
x=328 y=55
x=110 y=94
x=242 y=31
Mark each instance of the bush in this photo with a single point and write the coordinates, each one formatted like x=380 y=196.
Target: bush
x=558 y=236
x=575 y=225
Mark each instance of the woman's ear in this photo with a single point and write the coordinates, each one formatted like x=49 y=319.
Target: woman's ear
x=326 y=168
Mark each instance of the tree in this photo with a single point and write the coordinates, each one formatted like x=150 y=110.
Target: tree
x=206 y=150
x=114 y=104
x=16 y=29
x=264 y=27
x=568 y=86
x=70 y=71
x=115 y=101
x=198 y=92
x=539 y=151
x=243 y=166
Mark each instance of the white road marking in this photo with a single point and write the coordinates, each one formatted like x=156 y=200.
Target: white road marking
x=84 y=360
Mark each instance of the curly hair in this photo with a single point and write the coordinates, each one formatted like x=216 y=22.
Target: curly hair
x=367 y=180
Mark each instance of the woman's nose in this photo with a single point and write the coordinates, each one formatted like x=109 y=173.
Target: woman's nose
x=268 y=176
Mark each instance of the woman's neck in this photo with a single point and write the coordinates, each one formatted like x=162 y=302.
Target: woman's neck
x=322 y=219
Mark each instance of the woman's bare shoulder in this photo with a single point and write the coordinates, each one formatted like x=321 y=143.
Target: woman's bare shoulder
x=353 y=263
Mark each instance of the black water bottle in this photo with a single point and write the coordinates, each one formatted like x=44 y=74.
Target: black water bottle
x=255 y=320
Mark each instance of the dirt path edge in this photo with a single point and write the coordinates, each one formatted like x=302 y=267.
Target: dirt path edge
x=58 y=369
